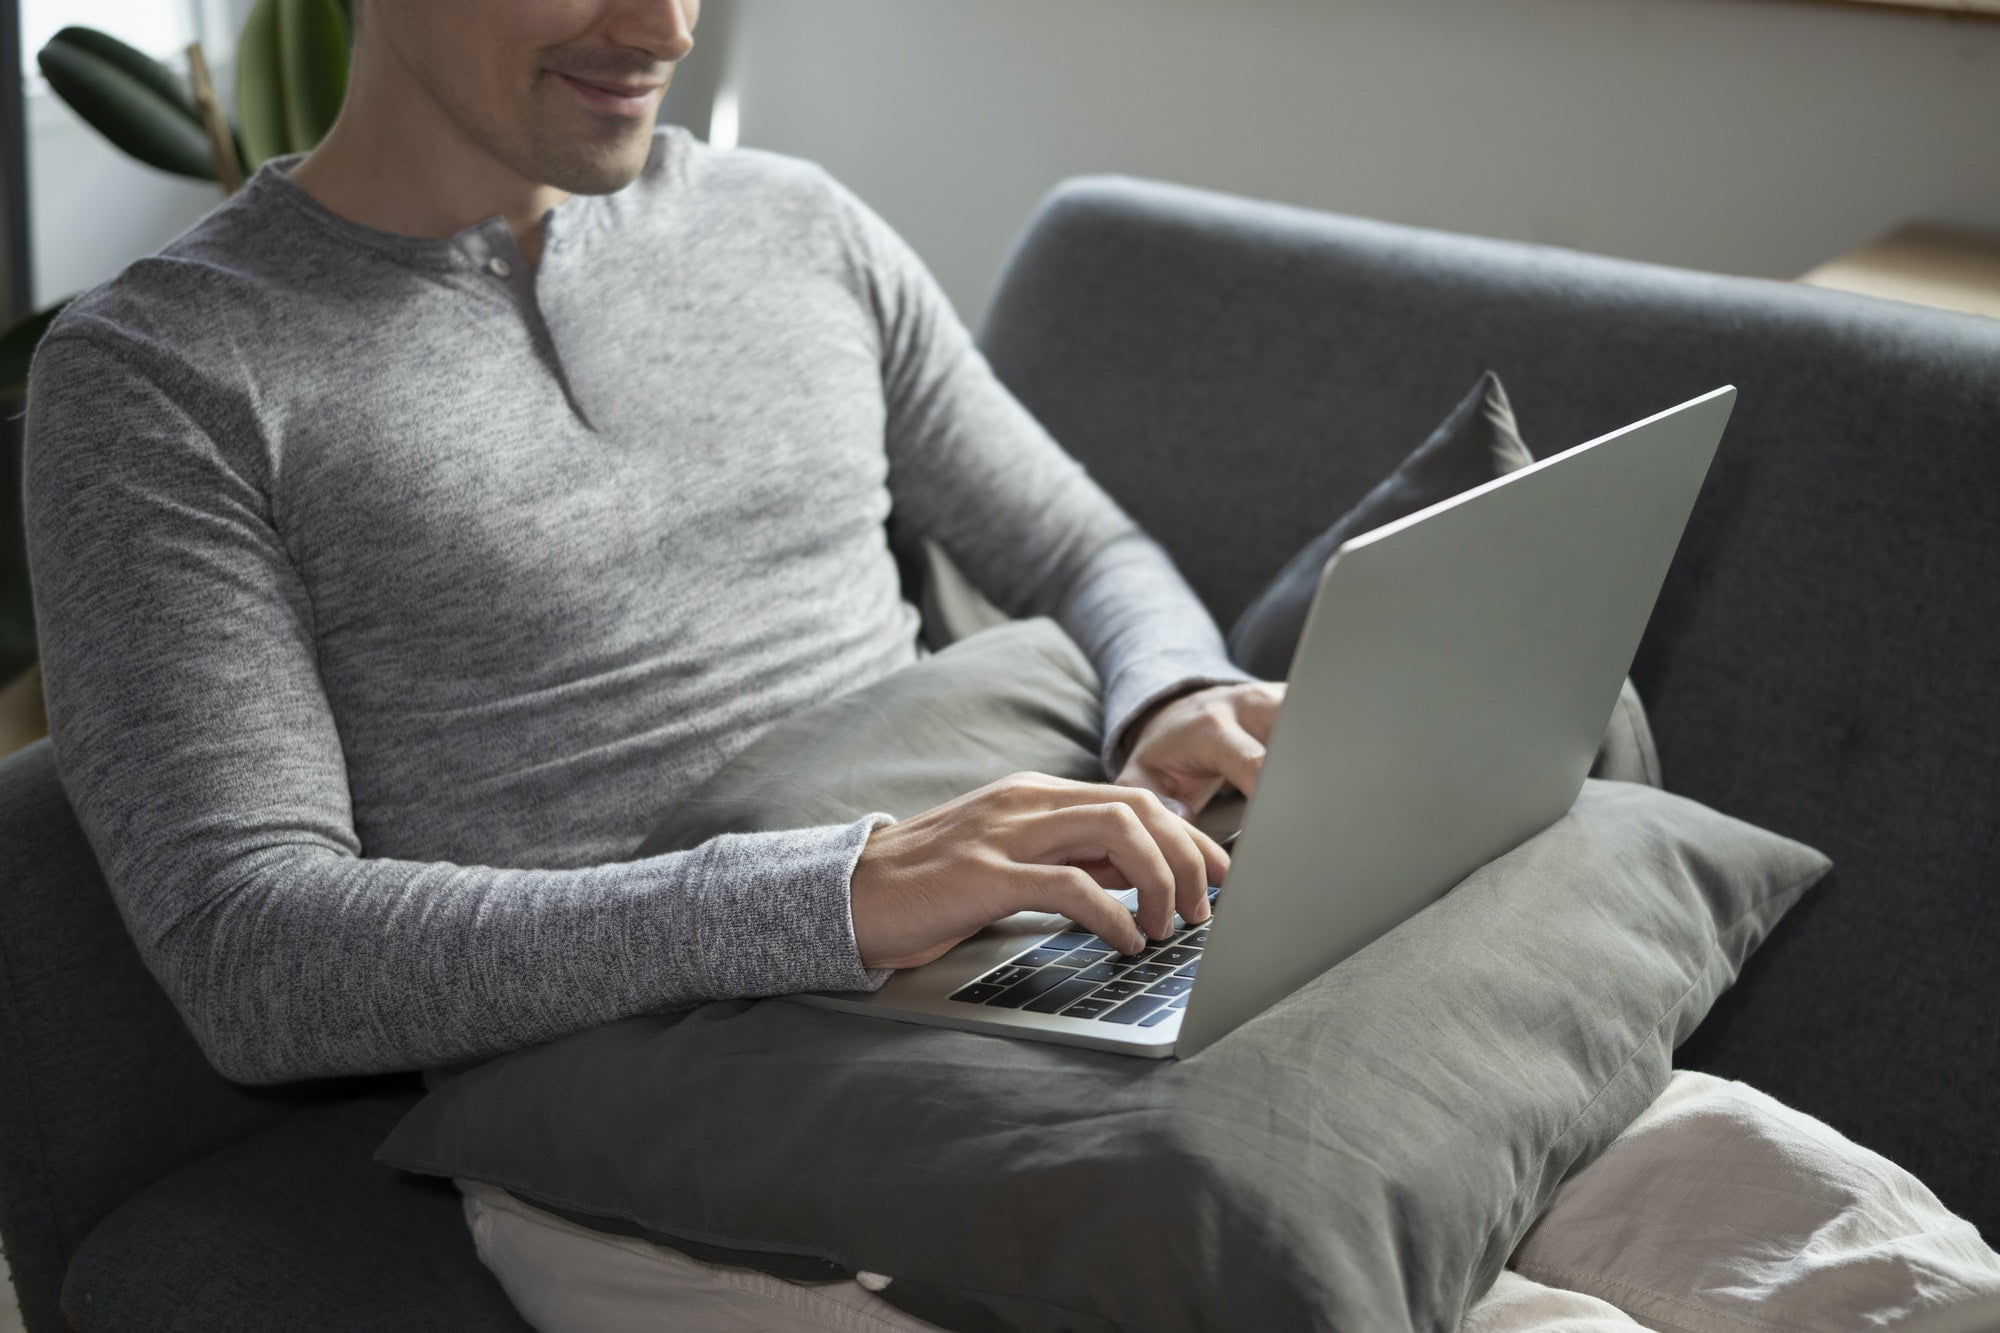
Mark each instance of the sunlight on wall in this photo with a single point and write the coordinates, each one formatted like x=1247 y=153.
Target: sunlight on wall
x=157 y=29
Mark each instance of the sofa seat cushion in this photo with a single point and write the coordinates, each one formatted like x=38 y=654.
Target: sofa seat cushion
x=293 y=1227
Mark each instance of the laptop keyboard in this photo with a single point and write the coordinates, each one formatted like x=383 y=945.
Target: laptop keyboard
x=1077 y=975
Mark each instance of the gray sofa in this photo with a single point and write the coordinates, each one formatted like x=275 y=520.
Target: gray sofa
x=1825 y=660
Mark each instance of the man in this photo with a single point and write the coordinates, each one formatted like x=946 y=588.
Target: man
x=404 y=534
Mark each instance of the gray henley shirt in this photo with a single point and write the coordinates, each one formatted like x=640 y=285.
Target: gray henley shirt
x=389 y=588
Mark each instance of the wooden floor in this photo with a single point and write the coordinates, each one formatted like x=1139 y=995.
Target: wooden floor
x=22 y=721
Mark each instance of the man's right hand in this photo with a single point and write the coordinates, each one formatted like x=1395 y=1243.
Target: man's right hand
x=1029 y=842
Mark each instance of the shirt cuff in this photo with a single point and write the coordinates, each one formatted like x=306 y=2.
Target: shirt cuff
x=780 y=920
x=1151 y=680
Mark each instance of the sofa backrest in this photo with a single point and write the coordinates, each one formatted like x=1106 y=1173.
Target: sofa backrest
x=1824 y=659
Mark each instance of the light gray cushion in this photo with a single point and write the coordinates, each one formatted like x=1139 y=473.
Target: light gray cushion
x=1364 y=1154
x=951 y=606
x=1018 y=697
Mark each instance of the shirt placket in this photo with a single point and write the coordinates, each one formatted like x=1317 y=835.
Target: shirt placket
x=490 y=246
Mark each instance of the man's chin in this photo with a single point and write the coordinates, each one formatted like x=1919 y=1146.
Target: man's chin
x=603 y=167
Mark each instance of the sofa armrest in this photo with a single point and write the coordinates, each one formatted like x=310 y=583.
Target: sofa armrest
x=106 y=1090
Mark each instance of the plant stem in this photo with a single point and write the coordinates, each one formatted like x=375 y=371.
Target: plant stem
x=221 y=142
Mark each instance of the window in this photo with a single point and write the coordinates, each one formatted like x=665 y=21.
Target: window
x=160 y=28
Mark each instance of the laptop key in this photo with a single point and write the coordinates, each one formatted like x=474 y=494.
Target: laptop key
x=1177 y=955
x=1157 y=1017
x=977 y=993
x=1038 y=958
x=1088 y=1008
x=1086 y=957
x=1119 y=990
x=1146 y=972
x=1072 y=939
x=1170 y=986
x=1067 y=993
x=1037 y=985
x=1004 y=977
x=1179 y=1003
x=1101 y=972
x=1134 y=1009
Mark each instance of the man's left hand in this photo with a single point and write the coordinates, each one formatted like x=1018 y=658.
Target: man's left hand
x=1189 y=746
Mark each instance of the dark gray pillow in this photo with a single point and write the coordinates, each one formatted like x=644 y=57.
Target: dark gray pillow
x=1364 y=1155
x=1476 y=443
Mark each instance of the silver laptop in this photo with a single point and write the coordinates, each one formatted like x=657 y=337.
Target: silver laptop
x=1454 y=677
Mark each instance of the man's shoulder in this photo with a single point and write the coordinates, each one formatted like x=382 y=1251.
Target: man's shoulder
x=679 y=160
x=750 y=185
x=164 y=307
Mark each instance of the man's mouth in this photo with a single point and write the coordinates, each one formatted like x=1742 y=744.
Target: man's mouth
x=618 y=99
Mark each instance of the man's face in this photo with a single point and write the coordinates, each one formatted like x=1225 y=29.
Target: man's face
x=563 y=92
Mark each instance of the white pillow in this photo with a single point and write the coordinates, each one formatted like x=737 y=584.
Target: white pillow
x=1722 y=1210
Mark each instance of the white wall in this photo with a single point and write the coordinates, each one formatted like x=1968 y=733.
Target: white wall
x=91 y=209
x=1737 y=135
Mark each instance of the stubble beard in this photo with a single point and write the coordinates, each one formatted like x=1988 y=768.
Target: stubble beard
x=586 y=163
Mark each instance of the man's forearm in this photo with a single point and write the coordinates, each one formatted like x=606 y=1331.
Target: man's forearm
x=1146 y=632
x=323 y=964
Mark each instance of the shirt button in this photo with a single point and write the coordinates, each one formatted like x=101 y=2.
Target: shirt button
x=498 y=267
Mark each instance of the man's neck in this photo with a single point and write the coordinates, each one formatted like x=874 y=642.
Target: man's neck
x=402 y=165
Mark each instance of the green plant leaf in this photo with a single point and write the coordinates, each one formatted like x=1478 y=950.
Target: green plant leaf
x=128 y=110
x=291 y=75
x=312 y=54
x=260 y=96
x=162 y=79
x=17 y=349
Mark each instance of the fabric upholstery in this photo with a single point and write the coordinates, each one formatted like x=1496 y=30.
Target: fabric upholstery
x=1364 y=1154
x=1476 y=442
x=1824 y=658
x=292 y=1228
x=1722 y=1210
x=1019 y=696
x=106 y=1092
x=104 y=1088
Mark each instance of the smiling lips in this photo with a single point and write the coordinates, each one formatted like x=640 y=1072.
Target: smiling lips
x=618 y=99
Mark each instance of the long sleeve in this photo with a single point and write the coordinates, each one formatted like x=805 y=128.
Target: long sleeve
x=1145 y=631
x=973 y=470
x=196 y=743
